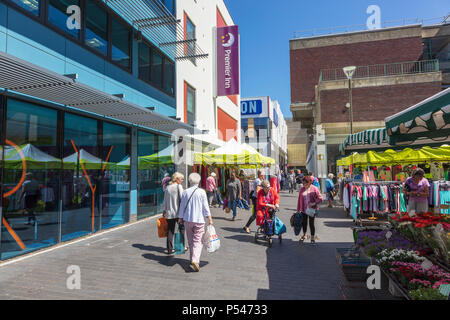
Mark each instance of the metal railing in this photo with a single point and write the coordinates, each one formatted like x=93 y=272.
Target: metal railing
x=363 y=27
x=382 y=70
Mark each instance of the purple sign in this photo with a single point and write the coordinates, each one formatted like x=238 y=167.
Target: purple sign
x=227 y=61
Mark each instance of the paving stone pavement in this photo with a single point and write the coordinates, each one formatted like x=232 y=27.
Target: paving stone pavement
x=130 y=263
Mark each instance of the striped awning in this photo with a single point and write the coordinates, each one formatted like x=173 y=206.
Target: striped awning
x=22 y=77
x=373 y=136
x=429 y=118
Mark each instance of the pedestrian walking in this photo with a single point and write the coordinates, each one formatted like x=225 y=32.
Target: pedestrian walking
x=330 y=189
x=31 y=192
x=254 y=197
x=211 y=188
x=282 y=180
x=417 y=188
x=298 y=178
x=172 y=200
x=291 y=181
x=308 y=199
x=193 y=212
x=234 y=193
x=315 y=181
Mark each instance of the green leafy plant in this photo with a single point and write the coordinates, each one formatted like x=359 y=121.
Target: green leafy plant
x=427 y=294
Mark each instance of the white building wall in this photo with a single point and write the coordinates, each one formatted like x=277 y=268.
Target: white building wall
x=201 y=76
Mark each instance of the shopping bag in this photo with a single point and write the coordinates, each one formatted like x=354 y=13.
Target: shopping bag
x=225 y=204
x=280 y=228
x=178 y=244
x=211 y=240
x=162 y=227
x=219 y=197
x=298 y=223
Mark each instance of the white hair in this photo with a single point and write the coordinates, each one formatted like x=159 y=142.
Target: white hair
x=330 y=175
x=194 y=179
x=213 y=174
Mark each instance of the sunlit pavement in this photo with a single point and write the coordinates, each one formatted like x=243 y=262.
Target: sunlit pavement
x=130 y=263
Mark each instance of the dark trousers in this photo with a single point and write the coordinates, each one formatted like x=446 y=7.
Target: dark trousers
x=311 y=224
x=253 y=216
x=171 y=225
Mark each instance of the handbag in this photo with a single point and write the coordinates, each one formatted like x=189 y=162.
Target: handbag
x=311 y=212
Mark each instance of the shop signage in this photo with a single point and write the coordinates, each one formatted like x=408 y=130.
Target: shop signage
x=275 y=117
x=227 y=61
x=251 y=107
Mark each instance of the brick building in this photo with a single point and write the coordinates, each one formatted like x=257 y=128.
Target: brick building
x=396 y=68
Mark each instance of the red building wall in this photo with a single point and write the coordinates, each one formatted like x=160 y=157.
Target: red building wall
x=373 y=103
x=305 y=64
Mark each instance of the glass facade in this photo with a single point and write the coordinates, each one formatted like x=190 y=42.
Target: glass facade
x=66 y=175
x=147 y=174
x=32 y=6
x=96 y=27
x=190 y=104
x=57 y=15
x=121 y=49
x=257 y=134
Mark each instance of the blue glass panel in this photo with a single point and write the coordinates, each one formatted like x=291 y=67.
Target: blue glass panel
x=30 y=212
x=57 y=15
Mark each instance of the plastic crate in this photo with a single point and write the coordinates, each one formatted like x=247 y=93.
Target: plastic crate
x=353 y=263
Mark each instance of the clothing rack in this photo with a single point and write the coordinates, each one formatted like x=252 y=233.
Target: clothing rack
x=376 y=183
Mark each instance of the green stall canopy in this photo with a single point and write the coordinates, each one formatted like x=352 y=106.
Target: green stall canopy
x=429 y=118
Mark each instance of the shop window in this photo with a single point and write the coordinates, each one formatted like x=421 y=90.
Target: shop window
x=81 y=177
x=31 y=179
x=120 y=43
x=147 y=175
x=169 y=74
x=166 y=167
x=156 y=69
x=57 y=15
x=115 y=176
x=96 y=27
x=32 y=6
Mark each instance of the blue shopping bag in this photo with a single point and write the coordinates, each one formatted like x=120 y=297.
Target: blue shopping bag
x=280 y=228
x=298 y=223
x=178 y=243
x=219 y=198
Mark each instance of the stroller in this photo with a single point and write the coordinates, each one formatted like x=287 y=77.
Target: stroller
x=267 y=229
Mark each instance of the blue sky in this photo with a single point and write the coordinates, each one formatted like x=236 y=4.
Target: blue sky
x=266 y=26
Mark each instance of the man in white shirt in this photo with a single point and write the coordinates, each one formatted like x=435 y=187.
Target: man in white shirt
x=194 y=209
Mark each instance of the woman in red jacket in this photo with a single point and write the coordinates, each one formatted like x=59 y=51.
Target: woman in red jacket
x=267 y=198
x=309 y=197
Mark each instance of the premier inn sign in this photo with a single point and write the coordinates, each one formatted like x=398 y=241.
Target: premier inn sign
x=227 y=61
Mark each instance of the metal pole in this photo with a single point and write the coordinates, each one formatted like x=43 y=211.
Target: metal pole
x=351 y=105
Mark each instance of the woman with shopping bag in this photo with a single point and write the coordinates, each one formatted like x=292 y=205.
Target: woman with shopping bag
x=172 y=200
x=308 y=199
x=193 y=212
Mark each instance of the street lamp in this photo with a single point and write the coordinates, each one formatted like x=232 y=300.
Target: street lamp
x=349 y=71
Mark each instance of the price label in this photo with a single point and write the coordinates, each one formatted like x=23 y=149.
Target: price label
x=427 y=264
x=388 y=235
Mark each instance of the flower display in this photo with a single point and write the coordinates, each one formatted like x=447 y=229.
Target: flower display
x=429 y=229
x=376 y=241
x=388 y=256
x=414 y=276
x=427 y=294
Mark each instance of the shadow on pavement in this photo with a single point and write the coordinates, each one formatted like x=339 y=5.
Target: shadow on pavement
x=149 y=248
x=338 y=224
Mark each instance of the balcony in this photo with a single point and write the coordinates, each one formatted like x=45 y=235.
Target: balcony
x=382 y=70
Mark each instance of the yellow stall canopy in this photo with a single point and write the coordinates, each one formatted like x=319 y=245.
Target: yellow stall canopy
x=406 y=156
x=233 y=153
